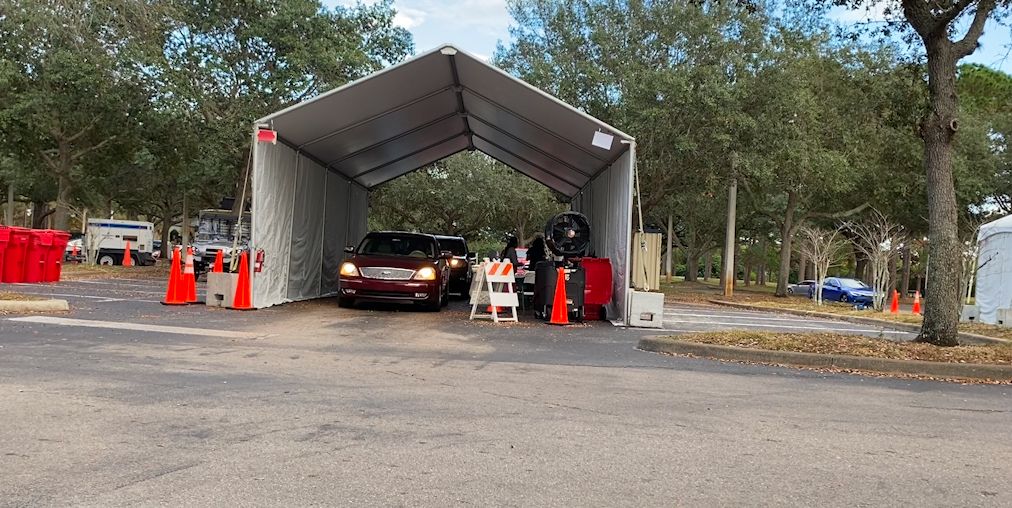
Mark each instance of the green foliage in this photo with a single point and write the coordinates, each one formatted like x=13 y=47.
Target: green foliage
x=469 y=195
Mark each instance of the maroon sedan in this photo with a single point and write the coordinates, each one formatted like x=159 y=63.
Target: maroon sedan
x=396 y=267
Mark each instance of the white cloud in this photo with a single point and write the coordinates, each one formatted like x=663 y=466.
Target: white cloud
x=409 y=18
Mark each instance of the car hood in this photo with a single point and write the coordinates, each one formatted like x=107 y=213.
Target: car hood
x=362 y=260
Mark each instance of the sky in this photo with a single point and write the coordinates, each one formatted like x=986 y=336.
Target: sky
x=476 y=26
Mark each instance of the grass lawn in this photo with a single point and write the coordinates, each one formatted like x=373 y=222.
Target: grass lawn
x=830 y=343
x=75 y=271
x=762 y=296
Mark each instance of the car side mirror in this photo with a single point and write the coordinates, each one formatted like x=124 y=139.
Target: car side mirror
x=350 y=249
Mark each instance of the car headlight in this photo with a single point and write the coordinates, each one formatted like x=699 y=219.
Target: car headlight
x=455 y=262
x=349 y=269
x=426 y=273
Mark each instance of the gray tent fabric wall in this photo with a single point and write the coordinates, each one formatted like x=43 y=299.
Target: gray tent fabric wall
x=303 y=217
x=607 y=203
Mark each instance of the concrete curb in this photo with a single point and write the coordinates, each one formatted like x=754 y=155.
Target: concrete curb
x=34 y=306
x=659 y=344
x=964 y=337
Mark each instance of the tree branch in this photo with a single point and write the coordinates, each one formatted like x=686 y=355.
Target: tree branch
x=839 y=215
x=84 y=151
x=968 y=43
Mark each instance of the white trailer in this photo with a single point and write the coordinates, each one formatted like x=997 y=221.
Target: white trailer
x=106 y=239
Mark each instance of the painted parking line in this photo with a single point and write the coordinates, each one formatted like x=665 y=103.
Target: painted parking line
x=116 y=325
x=98 y=299
x=757 y=317
x=788 y=327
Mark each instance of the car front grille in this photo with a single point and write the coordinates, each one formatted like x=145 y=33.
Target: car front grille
x=372 y=272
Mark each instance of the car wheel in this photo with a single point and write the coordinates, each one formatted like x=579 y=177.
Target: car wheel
x=790 y=291
x=843 y=298
x=106 y=260
x=345 y=303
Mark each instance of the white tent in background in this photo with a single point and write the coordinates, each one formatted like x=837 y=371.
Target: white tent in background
x=310 y=189
x=994 y=269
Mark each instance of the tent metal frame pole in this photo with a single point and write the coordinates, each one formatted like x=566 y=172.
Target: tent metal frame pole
x=405 y=156
x=524 y=159
x=458 y=91
x=360 y=151
x=375 y=117
x=528 y=145
x=532 y=123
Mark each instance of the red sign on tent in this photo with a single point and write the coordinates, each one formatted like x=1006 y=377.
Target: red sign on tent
x=267 y=136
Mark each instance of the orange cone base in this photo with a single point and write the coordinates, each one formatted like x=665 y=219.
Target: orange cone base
x=174 y=303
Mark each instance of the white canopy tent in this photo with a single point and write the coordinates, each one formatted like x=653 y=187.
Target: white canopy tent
x=994 y=268
x=310 y=190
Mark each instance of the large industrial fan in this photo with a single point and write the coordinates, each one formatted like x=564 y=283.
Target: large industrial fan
x=568 y=237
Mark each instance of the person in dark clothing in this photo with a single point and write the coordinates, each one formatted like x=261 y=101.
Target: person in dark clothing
x=510 y=252
x=536 y=252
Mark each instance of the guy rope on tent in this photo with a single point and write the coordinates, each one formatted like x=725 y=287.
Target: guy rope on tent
x=484 y=290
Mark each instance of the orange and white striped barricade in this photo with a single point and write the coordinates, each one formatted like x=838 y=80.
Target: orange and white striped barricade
x=494 y=288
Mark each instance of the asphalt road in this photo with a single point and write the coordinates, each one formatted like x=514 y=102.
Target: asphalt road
x=316 y=405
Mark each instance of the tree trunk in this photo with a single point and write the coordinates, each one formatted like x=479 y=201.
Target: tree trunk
x=691 y=266
x=941 y=307
x=40 y=214
x=787 y=229
x=166 y=226
x=905 y=282
x=803 y=268
x=860 y=267
x=730 y=244
x=61 y=217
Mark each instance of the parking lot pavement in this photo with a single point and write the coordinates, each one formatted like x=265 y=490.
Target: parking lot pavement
x=320 y=405
x=700 y=318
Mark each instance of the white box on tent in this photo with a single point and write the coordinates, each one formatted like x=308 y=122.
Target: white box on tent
x=970 y=313
x=646 y=310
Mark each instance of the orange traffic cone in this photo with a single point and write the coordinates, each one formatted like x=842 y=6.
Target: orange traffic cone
x=560 y=311
x=917 y=302
x=127 y=260
x=74 y=253
x=189 y=278
x=219 y=258
x=243 y=291
x=895 y=307
x=174 y=295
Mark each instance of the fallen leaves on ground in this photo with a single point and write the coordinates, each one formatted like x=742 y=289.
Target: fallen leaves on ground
x=838 y=344
x=18 y=297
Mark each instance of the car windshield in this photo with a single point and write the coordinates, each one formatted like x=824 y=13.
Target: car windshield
x=852 y=284
x=454 y=245
x=391 y=245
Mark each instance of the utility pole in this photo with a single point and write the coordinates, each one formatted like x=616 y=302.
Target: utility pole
x=667 y=264
x=729 y=239
x=185 y=229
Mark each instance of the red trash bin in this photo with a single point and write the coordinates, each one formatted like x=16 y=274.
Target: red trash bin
x=35 y=255
x=54 y=259
x=14 y=255
x=597 y=292
x=5 y=236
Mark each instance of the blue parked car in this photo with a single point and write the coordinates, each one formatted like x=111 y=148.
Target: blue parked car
x=844 y=290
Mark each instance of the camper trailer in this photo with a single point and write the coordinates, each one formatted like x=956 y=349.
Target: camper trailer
x=106 y=239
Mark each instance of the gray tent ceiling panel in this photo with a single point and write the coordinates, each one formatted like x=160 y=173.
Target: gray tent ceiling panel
x=350 y=140
x=532 y=154
x=394 y=148
x=534 y=105
x=427 y=108
x=574 y=154
x=412 y=162
x=362 y=100
x=535 y=173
